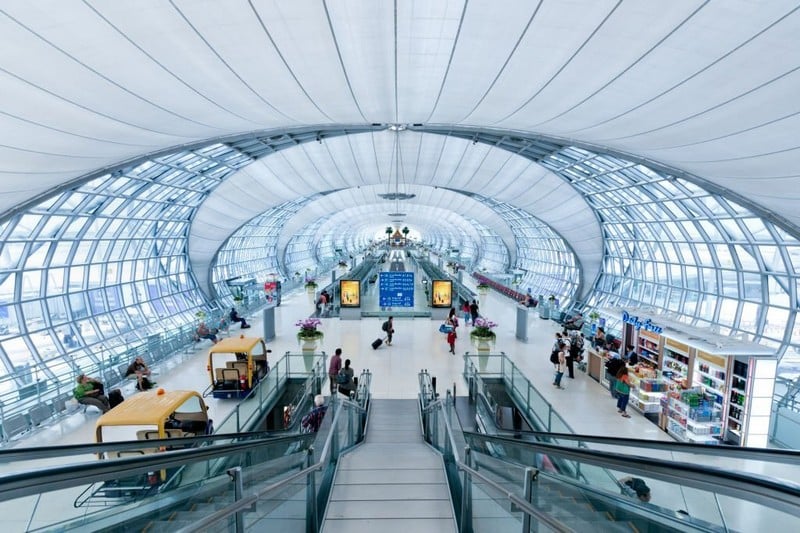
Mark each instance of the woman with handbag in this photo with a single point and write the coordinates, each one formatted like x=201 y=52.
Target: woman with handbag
x=345 y=379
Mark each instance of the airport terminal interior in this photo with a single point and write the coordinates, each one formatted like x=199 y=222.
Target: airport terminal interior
x=591 y=167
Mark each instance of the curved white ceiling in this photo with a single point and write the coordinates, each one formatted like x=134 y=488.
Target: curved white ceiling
x=364 y=165
x=706 y=87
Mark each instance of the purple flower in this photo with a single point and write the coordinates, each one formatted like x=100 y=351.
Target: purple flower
x=309 y=323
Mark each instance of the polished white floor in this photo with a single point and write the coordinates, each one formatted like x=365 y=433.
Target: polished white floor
x=584 y=404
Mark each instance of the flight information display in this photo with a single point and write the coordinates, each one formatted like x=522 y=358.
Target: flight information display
x=396 y=289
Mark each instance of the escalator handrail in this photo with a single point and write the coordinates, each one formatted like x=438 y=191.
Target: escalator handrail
x=772 y=493
x=441 y=404
x=736 y=452
x=66 y=450
x=521 y=504
x=246 y=502
x=33 y=482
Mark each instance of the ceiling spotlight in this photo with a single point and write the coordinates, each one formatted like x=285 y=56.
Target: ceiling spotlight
x=396 y=214
x=397 y=127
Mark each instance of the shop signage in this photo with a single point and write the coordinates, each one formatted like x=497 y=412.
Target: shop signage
x=638 y=324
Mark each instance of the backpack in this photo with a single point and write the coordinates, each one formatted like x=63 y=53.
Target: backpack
x=341 y=377
x=554 y=357
x=385 y=326
x=574 y=350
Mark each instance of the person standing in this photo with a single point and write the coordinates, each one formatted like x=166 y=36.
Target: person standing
x=466 y=312
x=561 y=366
x=612 y=368
x=568 y=355
x=334 y=368
x=345 y=379
x=473 y=311
x=631 y=355
x=623 y=386
x=313 y=420
x=451 y=340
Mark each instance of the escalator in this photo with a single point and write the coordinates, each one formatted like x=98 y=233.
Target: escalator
x=579 y=481
x=285 y=479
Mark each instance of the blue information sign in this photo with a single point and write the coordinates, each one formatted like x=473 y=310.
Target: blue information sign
x=396 y=289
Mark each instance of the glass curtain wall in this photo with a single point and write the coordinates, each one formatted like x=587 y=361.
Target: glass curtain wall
x=103 y=264
x=550 y=266
x=673 y=246
x=251 y=251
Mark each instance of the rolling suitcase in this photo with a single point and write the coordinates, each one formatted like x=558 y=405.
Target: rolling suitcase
x=377 y=344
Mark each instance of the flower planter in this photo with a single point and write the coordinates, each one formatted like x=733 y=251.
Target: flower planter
x=482 y=345
x=483 y=291
x=309 y=345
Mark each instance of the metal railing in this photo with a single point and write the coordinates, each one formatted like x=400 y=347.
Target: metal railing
x=724 y=490
x=330 y=453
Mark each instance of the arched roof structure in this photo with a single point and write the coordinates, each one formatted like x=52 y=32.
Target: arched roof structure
x=649 y=148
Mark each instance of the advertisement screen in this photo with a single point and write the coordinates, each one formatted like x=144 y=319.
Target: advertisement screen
x=442 y=293
x=350 y=291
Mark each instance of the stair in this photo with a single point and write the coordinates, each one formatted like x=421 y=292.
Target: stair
x=393 y=482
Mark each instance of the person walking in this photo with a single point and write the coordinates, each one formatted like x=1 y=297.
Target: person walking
x=333 y=369
x=388 y=327
x=451 y=340
x=560 y=367
x=623 y=391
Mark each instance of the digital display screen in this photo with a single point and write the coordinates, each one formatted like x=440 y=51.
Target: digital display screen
x=350 y=293
x=442 y=290
x=396 y=289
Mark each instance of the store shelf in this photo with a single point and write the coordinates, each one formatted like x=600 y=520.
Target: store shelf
x=710 y=388
x=675 y=350
x=684 y=365
x=704 y=374
x=649 y=360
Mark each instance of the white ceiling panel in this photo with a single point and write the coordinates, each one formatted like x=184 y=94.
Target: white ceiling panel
x=706 y=87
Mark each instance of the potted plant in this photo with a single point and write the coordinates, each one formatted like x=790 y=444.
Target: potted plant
x=311 y=285
x=238 y=297
x=201 y=315
x=342 y=265
x=483 y=287
x=308 y=332
x=482 y=335
x=593 y=316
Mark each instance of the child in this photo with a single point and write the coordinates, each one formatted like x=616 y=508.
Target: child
x=451 y=340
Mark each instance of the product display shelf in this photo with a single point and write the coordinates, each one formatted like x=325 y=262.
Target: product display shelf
x=649 y=349
x=683 y=426
x=646 y=402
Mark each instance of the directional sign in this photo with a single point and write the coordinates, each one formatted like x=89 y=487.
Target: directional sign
x=396 y=289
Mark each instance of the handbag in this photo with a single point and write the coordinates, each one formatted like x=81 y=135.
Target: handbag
x=445 y=328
